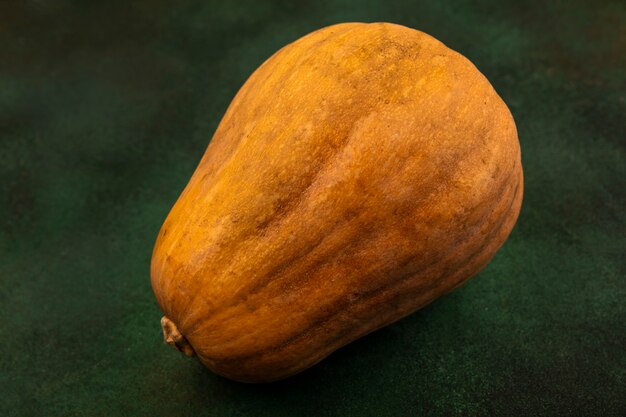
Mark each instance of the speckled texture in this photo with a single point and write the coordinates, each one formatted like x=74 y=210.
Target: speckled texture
x=104 y=113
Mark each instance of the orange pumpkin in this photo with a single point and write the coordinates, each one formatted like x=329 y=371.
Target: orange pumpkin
x=361 y=172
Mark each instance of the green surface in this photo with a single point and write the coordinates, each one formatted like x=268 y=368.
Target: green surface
x=105 y=109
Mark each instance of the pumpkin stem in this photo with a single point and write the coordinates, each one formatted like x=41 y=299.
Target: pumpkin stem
x=172 y=337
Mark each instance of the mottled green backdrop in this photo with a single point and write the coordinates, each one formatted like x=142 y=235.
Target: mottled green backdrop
x=107 y=106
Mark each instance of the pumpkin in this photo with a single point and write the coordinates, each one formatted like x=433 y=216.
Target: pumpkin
x=361 y=172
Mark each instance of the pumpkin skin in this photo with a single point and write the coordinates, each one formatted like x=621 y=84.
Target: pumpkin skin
x=361 y=172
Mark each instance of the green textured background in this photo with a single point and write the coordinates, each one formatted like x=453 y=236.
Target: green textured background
x=106 y=108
